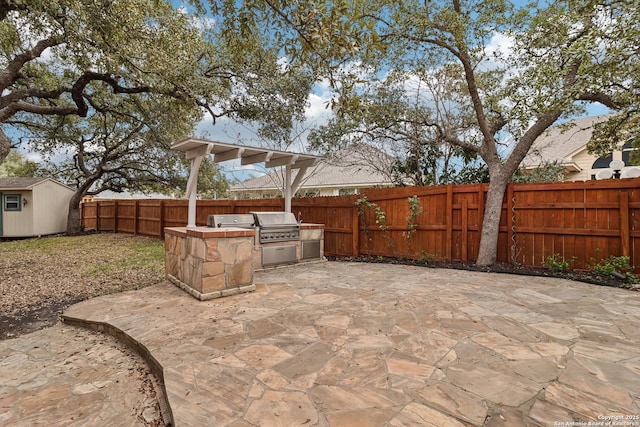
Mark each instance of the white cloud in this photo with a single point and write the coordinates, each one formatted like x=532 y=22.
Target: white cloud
x=500 y=45
x=319 y=109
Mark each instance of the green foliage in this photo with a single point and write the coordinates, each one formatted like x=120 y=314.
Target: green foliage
x=427 y=258
x=557 y=262
x=59 y=57
x=128 y=149
x=17 y=166
x=415 y=210
x=79 y=58
x=365 y=205
x=614 y=266
x=475 y=172
x=548 y=172
x=381 y=220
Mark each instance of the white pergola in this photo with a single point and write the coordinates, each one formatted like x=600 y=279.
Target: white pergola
x=196 y=149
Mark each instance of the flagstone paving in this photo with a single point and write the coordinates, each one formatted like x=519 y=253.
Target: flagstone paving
x=341 y=344
x=350 y=344
x=67 y=376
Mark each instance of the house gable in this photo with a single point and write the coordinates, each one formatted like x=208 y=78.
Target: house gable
x=344 y=171
x=568 y=147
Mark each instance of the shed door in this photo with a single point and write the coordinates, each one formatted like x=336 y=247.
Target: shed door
x=1 y=209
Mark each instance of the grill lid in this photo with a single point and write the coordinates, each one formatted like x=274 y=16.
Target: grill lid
x=231 y=220
x=275 y=219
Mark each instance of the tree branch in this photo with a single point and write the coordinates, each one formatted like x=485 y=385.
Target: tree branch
x=602 y=98
x=59 y=110
x=8 y=76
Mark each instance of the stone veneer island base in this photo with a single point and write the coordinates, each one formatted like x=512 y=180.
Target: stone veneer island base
x=210 y=263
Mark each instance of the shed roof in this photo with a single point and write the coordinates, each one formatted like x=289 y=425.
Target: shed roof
x=16 y=184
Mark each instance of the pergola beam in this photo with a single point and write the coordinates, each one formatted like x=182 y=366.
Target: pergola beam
x=195 y=152
x=256 y=158
x=232 y=154
x=196 y=149
x=281 y=161
x=304 y=164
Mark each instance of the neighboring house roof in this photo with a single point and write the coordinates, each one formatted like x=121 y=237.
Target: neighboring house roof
x=108 y=194
x=560 y=144
x=350 y=167
x=16 y=184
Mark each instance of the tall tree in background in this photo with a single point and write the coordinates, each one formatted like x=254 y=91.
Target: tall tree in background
x=17 y=166
x=103 y=88
x=126 y=147
x=397 y=114
x=555 y=57
x=55 y=54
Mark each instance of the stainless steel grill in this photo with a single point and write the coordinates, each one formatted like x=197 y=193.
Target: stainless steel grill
x=277 y=226
x=231 y=220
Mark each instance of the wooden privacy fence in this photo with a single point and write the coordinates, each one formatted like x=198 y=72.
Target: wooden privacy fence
x=586 y=220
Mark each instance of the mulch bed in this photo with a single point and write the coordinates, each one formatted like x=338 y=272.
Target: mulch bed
x=585 y=276
x=27 y=321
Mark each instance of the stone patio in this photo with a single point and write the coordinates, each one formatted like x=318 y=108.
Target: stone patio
x=349 y=344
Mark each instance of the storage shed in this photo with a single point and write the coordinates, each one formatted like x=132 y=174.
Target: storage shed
x=33 y=206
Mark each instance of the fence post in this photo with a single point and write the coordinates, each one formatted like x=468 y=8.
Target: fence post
x=115 y=216
x=449 y=222
x=98 y=216
x=162 y=219
x=465 y=230
x=624 y=223
x=355 y=227
x=135 y=217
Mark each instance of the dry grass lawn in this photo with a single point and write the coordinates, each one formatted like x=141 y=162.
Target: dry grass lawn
x=54 y=272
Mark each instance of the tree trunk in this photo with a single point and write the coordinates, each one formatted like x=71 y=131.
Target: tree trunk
x=74 y=221
x=5 y=146
x=488 y=250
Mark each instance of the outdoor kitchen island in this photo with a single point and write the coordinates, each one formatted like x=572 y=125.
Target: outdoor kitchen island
x=219 y=260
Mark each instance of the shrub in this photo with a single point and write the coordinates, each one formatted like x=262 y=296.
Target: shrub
x=557 y=262
x=615 y=266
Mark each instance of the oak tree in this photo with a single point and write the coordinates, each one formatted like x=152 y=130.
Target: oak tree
x=103 y=88
x=554 y=58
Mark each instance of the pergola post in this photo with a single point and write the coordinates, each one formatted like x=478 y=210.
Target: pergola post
x=196 y=156
x=293 y=186
x=287 y=188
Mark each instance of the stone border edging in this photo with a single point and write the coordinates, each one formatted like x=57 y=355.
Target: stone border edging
x=165 y=409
